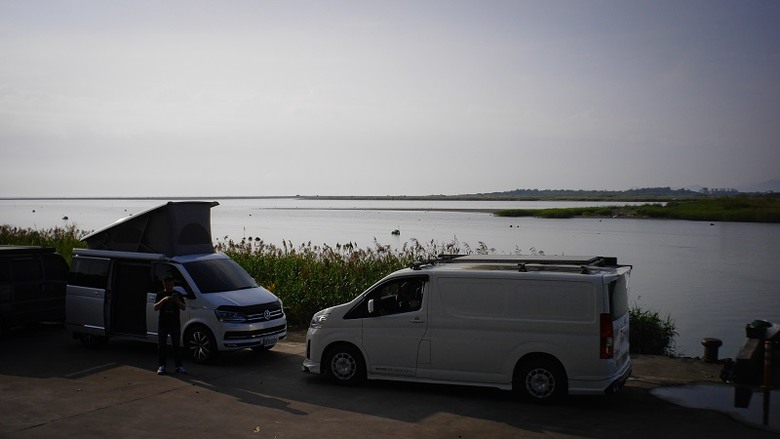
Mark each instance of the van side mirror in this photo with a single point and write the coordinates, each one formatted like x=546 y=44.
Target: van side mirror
x=180 y=291
x=370 y=306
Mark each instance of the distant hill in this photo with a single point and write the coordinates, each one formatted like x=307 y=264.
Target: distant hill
x=764 y=186
x=568 y=194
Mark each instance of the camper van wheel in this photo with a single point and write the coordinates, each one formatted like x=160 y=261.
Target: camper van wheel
x=345 y=364
x=200 y=344
x=540 y=380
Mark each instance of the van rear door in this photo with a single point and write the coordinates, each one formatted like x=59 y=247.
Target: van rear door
x=619 y=316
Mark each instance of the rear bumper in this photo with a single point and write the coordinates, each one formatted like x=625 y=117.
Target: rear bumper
x=619 y=382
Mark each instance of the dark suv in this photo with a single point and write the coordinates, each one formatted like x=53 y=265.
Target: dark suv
x=32 y=286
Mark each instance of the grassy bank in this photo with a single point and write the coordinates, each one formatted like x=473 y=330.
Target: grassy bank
x=739 y=208
x=308 y=277
x=63 y=239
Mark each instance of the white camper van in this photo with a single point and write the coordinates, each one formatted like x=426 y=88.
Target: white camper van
x=542 y=326
x=113 y=284
x=112 y=294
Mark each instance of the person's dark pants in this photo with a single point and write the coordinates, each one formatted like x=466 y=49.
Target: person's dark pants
x=163 y=332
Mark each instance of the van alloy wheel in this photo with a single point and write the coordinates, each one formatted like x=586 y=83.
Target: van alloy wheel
x=345 y=365
x=540 y=383
x=541 y=380
x=200 y=344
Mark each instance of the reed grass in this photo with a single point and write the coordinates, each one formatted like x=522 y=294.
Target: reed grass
x=743 y=208
x=62 y=239
x=650 y=333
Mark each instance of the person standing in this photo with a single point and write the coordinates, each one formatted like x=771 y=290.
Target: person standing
x=169 y=304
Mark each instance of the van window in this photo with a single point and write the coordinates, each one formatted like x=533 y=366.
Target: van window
x=160 y=271
x=396 y=296
x=618 y=297
x=216 y=275
x=91 y=273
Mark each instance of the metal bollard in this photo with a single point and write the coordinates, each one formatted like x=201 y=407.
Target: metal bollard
x=711 y=346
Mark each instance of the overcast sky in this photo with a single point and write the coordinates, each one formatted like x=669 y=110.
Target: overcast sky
x=201 y=98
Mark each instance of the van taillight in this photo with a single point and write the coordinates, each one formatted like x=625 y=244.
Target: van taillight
x=607 y=349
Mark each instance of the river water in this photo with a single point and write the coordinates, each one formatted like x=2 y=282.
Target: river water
x=710 y=278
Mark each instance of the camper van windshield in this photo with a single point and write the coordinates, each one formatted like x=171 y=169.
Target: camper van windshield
x=218 y=275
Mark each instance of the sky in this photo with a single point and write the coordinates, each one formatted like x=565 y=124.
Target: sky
x=274 y=98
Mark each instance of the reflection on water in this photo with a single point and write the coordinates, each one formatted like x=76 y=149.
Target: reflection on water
x=710 y=278
x=721 y=398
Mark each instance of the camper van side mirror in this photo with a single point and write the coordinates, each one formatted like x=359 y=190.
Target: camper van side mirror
x=181 y=292
x=370 y=306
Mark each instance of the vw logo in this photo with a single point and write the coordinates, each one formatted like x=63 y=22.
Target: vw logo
x=267 y=314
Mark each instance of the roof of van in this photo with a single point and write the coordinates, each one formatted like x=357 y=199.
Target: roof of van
x=560 y=264
x=172 y=229
x=7 y=250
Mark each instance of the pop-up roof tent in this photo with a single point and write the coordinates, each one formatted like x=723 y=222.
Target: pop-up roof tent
x=173 y=229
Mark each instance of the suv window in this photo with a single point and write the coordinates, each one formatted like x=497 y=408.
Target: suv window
x=26 y=269
x=215 y=275
x=56 y=268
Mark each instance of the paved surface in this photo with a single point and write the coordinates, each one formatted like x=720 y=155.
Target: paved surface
x=51 y=386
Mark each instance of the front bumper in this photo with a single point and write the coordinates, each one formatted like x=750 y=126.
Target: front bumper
x=254 y=338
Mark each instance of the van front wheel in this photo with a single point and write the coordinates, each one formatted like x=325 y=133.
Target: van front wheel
x=345 y=364
x=540 y=380
x=200 y=344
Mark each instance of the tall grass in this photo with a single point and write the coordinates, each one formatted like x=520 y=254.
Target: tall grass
x=651 y=334
x=62 y=239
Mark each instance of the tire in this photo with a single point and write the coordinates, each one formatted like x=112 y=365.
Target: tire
x=540 y=380
x=345 y=365
x=200 y=344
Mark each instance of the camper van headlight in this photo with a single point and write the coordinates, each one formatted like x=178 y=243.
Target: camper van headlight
x=230 y=316
x=318 y=320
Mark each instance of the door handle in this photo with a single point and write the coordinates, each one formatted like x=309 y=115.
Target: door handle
x=417 y=320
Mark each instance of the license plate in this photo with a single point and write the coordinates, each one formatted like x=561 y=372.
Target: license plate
x=269 y=341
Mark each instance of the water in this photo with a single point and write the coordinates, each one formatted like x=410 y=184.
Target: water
x=710 y=278
x=720 y=397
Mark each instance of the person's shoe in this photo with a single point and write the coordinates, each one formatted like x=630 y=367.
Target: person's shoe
x=181 y=369
x=161 y=370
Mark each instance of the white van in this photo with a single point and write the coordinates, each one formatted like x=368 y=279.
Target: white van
x=113 y=284
x=542 y=326
x=112 y=294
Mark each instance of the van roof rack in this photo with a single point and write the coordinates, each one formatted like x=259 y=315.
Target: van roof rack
x=580 y=262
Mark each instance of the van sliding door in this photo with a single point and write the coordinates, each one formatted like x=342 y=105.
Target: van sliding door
x=128 y=301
